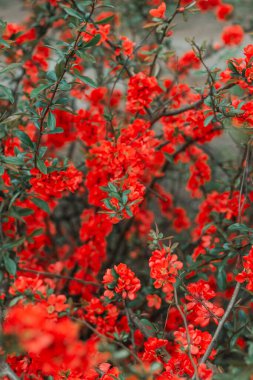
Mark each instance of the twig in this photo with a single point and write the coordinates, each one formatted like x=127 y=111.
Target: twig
x=47 y=109
x=190 y=107
x=233 y=299
x=55 y=275
x=168 y=22
x=221 y=324
x=187 y=333
x=147 y=333
x=102 y=336
x=130 y=325
x=5 y=370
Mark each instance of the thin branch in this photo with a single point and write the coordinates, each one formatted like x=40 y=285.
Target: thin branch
x=102 y=336
x=164 y=353
x=168 y=22
x=190 y=107
x=214 y=340
x=5 y=370
x=55 y=275
x=130 y=325
x=233 y=299
x=188 y=337
x=47 y=109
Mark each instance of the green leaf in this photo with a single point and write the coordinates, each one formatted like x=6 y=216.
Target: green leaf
x=86 y=56
x=232 y=67
x=37 y=232
x=208 y=120
x=51 y=75
x=59 y=68
x=124 y=199
x=6 y=93
x=112 y=187
x=42 y=151
x=129 y=212
x=149 y=326
x=24 y=138
x=11 y=119
x=12 y=160
x=108 y=204
x=13 y=244
x=41 y=204
x=10 y=67
x=4 y=43
x=14 y=197
x=10 y=265
x=105 y=20
x=18 y=212
x=72 y=12
x=15 y=300
x=41 y=166
x=56 y=130
x=121 y=354
x=85 y=79
x=238 y=227
x=94 y=41
x=51 y=121
x=222 y=278
x=64 y=86
x=39 y=89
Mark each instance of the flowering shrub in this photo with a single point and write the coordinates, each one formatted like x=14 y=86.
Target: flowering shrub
x=126 y=224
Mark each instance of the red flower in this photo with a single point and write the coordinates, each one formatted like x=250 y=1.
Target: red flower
x=178 y=365
x=188 y=61
x=56 y=303
x=127 y=47
x=107 y=372
x=151 y=346
x=224 y=11
x=164 y=268
x=232 y=35
x=56 y=182
x=52 y=340
x=248 y=52
x=159 y=12
x=249 y=74
x=101 y=315
x=204 y=372
x=101 y=30
x=200 y=340
x=202 y=310
x=247 y=274
x=154 y=301
x=121 y=280
x=141 y=91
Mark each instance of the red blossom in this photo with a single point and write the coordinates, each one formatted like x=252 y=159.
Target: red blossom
x=121 y=280
x=200 y=340
x=56 y=182
x=164 y=267
x=224 y=11
x=247 y=274
x=141 y=91
x=232 y=35
x=159 y=12
x=152 y=346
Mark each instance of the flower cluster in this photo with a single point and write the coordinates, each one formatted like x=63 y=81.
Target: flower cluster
x=56 y=182
x=247 y=274
x=141 y=92
x=164 y=268
x=121 y=280
x=199 y=305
